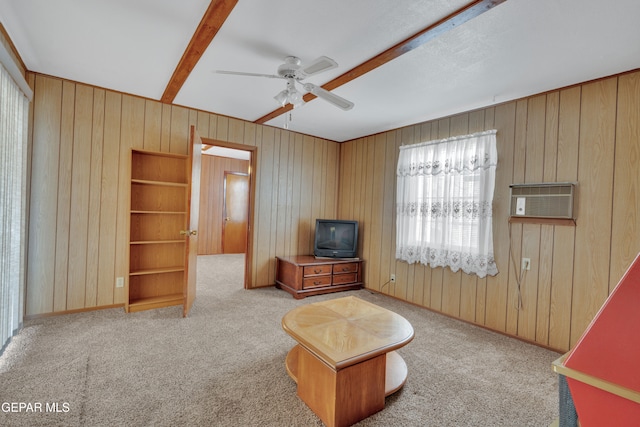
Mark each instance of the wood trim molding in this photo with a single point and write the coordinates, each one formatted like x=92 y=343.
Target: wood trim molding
x=544 y=221
x=74 y=311
x=14 y=51
x=216 y=14
x=455 y=19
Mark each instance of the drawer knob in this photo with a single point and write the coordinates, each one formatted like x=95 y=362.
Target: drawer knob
x=317 y=271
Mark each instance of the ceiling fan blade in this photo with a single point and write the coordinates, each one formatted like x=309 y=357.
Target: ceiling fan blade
x=317 y=66
x=239 y=73
x=332 y=98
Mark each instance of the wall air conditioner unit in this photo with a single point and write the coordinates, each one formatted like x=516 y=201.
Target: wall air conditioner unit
x=542 y=200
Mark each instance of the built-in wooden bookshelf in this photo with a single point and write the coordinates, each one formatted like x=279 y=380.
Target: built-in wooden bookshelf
x=158 y=214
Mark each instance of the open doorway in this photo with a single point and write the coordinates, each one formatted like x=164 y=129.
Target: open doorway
x=226 y=201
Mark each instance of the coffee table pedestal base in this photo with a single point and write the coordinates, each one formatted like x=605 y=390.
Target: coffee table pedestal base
x=345 y=396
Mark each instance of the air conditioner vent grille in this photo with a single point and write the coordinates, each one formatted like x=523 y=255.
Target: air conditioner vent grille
x=546 y=200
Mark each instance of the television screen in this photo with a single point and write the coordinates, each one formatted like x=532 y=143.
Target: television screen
x=336 y=238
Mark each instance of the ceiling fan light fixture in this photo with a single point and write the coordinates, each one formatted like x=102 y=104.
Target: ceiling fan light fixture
x=295 y=98
x=282 y=98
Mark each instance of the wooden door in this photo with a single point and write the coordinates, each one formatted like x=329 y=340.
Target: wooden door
x=236 y=213
x=193 y=203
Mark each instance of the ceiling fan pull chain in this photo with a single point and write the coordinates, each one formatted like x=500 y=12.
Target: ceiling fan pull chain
x=287 y=120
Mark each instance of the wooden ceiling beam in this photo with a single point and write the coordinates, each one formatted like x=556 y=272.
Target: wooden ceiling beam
x=455 y=19
x=216 y=14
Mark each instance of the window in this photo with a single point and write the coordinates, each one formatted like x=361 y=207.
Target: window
x=444 y=203
x=13 y=161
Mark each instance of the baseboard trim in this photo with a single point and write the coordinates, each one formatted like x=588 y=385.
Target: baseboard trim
x=537 y=344
x=79 y=310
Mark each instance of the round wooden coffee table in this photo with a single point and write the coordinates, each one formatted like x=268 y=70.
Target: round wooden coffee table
x=345 y=364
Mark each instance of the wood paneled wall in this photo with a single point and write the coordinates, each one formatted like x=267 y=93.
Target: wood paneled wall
x=82 y=137
x=588 y=133
x=212 y=201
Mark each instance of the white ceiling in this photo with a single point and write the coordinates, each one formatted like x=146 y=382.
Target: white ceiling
x=516 y=49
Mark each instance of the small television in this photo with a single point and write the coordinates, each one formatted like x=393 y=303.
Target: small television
x=336 y=238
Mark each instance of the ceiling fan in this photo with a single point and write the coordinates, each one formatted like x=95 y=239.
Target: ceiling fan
x=293 y=71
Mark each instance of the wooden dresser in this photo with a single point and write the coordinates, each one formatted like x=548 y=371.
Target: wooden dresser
x=306 y=275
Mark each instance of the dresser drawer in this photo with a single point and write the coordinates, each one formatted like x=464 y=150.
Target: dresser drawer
x=314 y=282
x=340 y=279
x=306 y=275
x=350 y=267
x=316 y=270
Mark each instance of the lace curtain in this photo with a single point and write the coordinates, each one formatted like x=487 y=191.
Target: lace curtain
x=444 y=198
x=14 y=109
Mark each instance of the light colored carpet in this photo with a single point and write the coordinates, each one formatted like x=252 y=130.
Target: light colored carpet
x=224 y=366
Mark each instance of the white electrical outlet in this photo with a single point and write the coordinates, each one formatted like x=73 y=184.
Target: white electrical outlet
x=526 y=263
x=393 y=278
x=119 y=282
